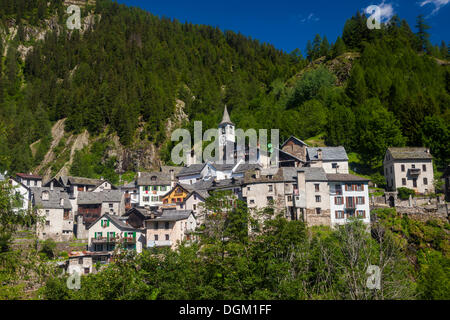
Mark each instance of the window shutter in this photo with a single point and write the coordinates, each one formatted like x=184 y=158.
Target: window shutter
x=108 y=224
x=125 y=234
x=95 y=235
x=335 y=200
x=364 y=214
x=101 y=223
x=362 y=187
x=363 y=200
x=336 y=215
x=134 y=235
x=346 y=187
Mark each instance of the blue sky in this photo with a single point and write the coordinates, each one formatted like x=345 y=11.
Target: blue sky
x=290 y=24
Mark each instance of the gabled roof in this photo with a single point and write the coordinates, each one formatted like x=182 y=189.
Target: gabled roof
x=85 y=198
x=28 y=176
x=56 y=183
x=345 y=178
x=295 y=139
x=193 y=169
x=313 y=174
x=178 y=185
x=226 y=118
x=289 y=155
x=328 y=154
x=84 y=181
x=410 y=153
x=119 y=222
x=145 y=213
x=54 y=199
x=265 y=174
x=201 y=193
x=173 y=215
x=167 y=169
x=153 y=179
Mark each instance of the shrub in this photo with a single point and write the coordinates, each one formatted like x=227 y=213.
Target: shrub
x=404 y=193
x=48 y=248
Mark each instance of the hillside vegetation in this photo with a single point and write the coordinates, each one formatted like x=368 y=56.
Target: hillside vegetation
x=122 y=74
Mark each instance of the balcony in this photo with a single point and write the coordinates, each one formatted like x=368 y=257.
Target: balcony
x=157 y=244
x=129 y=240
x=100 y=240
x=414 y=172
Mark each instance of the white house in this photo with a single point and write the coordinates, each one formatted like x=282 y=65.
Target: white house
x=22 y=195
x=349 y=198
x=332 y=159
x=152 y=187
x=110 y=232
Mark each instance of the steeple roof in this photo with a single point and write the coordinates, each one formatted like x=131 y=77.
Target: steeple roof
x=226 y=118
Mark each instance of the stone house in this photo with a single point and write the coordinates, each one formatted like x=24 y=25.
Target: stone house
x=92 y=205
x=170 y=228
x=29 y=180
x=111 y=232
x=410 y=168
x=81 y=262
x=54 y=206
x=152 y=186
x=22 y=195
x=331 y=159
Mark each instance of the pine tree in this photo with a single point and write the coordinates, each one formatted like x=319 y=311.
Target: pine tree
x=316 y=46
x=422 y=34
x=325 y=47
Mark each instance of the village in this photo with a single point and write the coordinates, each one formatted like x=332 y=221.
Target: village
x=165 y=208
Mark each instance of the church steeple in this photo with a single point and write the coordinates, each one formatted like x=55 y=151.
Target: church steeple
x=226 y=118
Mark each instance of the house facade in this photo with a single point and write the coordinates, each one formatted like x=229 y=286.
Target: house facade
x=410 y=168
x=55 y=209
x=170 y=228
x=152 y=187
x=112 y=232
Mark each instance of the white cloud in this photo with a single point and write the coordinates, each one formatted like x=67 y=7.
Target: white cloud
x=311 y=17
x=437 y=3
x=386 y=11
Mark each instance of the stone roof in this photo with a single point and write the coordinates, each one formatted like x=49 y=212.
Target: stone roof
x=54 y=199
x=410 y=153
x=81 y=181
x=173 y=215
x=295 y=139
x=167 y=169
x=345 y=178
x=314 y=174
x=119 y=222
x=290 y=174
x=328 y=154
x=275 y=174
x=85 y=198
x=153 y=179
x=129 y=185
x=226 y=118
x=193 y=169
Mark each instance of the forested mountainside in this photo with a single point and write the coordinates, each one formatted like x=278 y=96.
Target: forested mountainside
x=131 y=75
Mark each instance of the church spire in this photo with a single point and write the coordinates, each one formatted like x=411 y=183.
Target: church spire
x=226 y=118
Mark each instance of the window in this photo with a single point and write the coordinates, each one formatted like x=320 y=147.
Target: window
x=86 y=270
x=111 y=205
x=361 y=214
x=424 y=167
x=195 y=197
x=146 y=199
x=338 y=189
x=425 y=181
x=339 y=214
x=339 y=201
x=47 y=223
x=403 y=168
x=270 y=188
x=47 y=212
x=334 y=165
x=166 y=225
x=80 y=260
x=318 y=199
x=289 y=198
x=413 y=166
x=248 y=188
x=415 y=183
x=350 y=202
x=252 y=201
x=195 y=207
x=156 y=225
x=317 y=186
x=404 y=181
x=156 y=237
x=35 y=183
x=360 y=200
x=359 y=187
x=318 y=210
x=167 y=237
x=269 y=199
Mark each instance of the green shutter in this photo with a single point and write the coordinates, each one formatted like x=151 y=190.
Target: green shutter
x=108 y=224
x=134 y=235
x=101 y=223
x=95 y=235
x=125 y=234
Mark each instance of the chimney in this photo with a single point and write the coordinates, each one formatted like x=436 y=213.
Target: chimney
x=319 y=154
x=61 y=202
x=51 y=185
x=257 y=173
x=301 y=180
x=139 y=174
x=172 y=179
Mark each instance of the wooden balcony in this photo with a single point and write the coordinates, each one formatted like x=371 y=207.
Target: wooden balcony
x=414 y=172
x=100 y=240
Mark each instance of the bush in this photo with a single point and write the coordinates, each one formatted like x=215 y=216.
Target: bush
x=48 y=248
x=404 y=193
x=378 y=179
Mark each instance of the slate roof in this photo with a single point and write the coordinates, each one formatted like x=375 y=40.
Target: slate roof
x=54 y=200
x=193 y=169
x=295 y=139
x=144 y=212
x=277 y=176
x=129 y=185
x=146 y=179
x=345 y=177
x=173 y=215
x=409 y=153
x=328 y=154
x=120 y=222
x=84 y=181
x=166 y=169
x=290 y=174
x=226 y=118
x=314 y=174
x=246 y=167
x=85 y=198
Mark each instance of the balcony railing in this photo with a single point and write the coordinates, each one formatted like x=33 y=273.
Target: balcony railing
x=154 y=243
x=105 y=239
x=414 y=172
